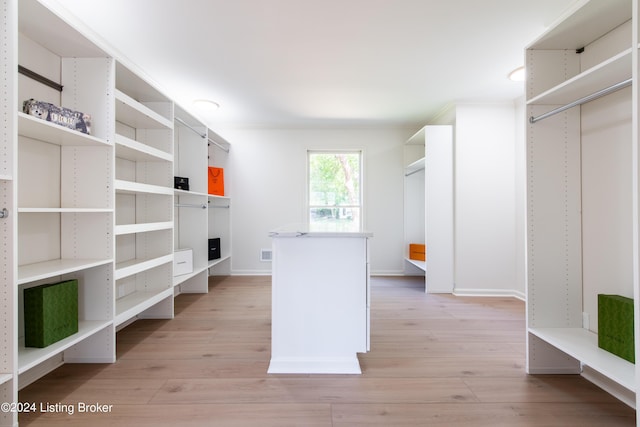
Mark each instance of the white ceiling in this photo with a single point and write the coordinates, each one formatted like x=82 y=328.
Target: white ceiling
x=324 y=62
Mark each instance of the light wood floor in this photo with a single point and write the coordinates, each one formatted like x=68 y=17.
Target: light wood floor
x=435 y=360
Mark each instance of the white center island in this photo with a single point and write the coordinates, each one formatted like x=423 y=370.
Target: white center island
x=320 y=301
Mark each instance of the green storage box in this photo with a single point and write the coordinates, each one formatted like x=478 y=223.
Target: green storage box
x=50 y=313
x=615 y=325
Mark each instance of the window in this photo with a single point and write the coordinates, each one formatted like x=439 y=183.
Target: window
x=335 y=190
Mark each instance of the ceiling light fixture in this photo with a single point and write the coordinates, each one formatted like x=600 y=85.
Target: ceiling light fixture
x=206 y=105
x=517 y=75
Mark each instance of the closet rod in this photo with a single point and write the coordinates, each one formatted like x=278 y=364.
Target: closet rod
x=202 y=135
x=584 y=100
x=39 y=78
x=191 y=205
x=220 y=207
x=412 y=172
x=222 y=147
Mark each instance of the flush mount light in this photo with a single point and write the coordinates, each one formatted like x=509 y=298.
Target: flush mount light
x=517 y=75
x=206 y=105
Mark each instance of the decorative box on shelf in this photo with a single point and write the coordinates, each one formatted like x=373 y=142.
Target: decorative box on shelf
x=50 y=313
x=182 y=262
x=214 y=248
x=181 y=183
x=417 y=251
x=615 y=326
x=61 y=116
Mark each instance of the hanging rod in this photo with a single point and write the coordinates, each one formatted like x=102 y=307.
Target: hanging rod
x=415 y=171
x=202 y=135
x=220 y=207
x=39 y=78
x=584 y=100
x=222 y=147
x=191 y=205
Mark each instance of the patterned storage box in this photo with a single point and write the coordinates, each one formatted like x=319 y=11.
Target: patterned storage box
x=75 y=120
x=615 y=326
x=50 y=313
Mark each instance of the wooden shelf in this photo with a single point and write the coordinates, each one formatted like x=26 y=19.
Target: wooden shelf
x=135 y=266
x=615 y=70
x=593 y=19
x=65 y=210
x=44 y=270
x=133 y=113
x=415 y=167
x=422 y=265
x=32 y=127
x=130 y=187
x=581 y=344
x=177 y=280
x=5 y=378
x=127 y=148
x=29 y=357
x=133 y=304
x=214 y=262
x=142 y=228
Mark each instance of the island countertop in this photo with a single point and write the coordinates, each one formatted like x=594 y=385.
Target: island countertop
x=324 y=230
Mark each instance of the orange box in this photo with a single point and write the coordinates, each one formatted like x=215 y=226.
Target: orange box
x=417 y=252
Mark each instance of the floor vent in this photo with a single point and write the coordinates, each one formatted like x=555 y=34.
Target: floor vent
x=266 y=255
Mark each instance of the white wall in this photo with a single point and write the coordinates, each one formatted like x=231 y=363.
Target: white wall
x=267 y=184
x=489 y=197
x=485 y=198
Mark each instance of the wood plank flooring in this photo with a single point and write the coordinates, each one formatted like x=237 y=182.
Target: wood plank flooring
x=435 y=360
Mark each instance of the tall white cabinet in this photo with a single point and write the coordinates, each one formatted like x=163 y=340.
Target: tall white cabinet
x=428 y=204
x=98 y=207
x=582 y=191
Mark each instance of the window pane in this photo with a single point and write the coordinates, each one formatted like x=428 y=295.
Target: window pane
x=334 y=191
x=335 y=219
x=334 y=179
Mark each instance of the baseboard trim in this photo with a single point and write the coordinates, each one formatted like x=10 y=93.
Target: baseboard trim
x=489 y=293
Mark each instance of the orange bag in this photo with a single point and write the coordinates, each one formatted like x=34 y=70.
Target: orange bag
x=216 y=181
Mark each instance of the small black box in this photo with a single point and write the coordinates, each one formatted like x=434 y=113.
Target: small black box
x=181 y=183
x=214 y=248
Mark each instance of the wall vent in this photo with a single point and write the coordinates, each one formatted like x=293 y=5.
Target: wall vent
x=266 y=255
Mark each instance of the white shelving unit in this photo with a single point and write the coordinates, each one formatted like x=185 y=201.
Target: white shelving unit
x=8 y=205
x=95 y=207
x=56 y=184
x=144 y=199
x=428 y=204
x=582 y=225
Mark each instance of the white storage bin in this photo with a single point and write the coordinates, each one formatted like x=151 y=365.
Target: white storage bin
x=182 y=262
